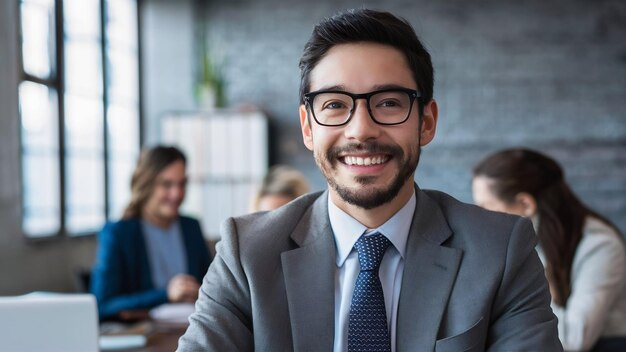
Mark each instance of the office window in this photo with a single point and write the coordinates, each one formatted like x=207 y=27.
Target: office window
x=79 y=110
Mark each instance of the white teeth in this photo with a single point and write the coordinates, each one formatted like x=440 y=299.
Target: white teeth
x=357 y=160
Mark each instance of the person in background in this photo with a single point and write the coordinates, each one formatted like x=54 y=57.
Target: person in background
x=281 y=185
x=582 y=252
x=373 y=263
x=153 y=255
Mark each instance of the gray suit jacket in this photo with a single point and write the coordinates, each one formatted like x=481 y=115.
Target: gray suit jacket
x=472 y=281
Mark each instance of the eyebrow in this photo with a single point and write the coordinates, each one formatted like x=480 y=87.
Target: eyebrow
x=390 y=86
x=335 y=87
x=342 y=88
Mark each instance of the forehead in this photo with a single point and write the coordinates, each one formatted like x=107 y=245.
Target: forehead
x=175 y=169
x=482 y=192
x=481 y=184
x=362 y=67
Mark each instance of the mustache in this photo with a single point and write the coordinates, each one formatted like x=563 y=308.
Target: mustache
x=369 y=147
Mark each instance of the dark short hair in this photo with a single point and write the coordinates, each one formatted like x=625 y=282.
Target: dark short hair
x=364 y=25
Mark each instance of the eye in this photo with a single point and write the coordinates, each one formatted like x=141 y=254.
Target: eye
x=332 y=105
x=388 y=103
x=390 y=100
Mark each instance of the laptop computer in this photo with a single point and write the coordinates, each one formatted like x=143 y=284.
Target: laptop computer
x=49 y=322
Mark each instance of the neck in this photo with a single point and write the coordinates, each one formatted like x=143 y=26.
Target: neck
x=158 y=221
x=375 y=217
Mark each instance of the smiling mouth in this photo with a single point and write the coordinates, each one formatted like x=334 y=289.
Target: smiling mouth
x=364 y=160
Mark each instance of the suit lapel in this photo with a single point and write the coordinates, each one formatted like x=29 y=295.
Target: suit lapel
x=310 y=280
x=191 y=252
x=429 y=273
x=139 y=254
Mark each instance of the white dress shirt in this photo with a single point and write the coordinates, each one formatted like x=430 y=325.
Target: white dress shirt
x=596 y=306
x=347 y=231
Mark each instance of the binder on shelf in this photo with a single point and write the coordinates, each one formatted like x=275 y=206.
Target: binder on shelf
x=227 y=157
x=258 y=145
x=219 y=135
x=239 y=140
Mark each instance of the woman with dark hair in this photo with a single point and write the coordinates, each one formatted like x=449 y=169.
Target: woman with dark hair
x=582 y=252
x=153 y=255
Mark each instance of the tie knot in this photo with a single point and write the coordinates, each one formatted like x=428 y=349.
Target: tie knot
x=371 y=250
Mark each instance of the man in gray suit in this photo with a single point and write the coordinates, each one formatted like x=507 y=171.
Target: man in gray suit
x=374 y=263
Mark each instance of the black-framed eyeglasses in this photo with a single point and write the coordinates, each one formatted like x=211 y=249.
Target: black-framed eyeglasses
x=386 y=106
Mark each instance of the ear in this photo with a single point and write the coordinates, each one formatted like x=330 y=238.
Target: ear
x=429 y=122
x=527 y=203
x=307 y=136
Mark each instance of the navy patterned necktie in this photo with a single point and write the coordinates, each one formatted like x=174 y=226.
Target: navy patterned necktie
x=367 y=329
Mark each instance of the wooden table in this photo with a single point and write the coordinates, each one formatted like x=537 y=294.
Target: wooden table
x=160 y=337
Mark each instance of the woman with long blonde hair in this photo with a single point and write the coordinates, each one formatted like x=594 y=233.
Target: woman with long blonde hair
x=281 y=185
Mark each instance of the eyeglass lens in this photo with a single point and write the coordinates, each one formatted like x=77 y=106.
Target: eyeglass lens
x=385 y=107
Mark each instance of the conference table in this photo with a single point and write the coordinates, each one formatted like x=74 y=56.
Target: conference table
x=160 y=337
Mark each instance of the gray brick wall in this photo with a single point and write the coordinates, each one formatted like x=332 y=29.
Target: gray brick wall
x=547 y=75
x=532 y=73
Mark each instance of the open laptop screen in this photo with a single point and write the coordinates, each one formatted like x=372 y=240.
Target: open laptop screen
x=50 y=322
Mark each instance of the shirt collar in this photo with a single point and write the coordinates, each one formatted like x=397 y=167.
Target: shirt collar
x=348 y=230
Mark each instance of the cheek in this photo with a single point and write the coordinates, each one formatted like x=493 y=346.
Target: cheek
x=159 y=196
x=497 y=205
x=514 y=209
x=181 y=195
x=152 y=199
x=321 y=143
x=175 y=194
x=409 y=143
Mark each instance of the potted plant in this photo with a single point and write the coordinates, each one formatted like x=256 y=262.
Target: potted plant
x=210 y=82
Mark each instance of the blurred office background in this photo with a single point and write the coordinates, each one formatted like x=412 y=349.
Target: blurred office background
x=546 y=75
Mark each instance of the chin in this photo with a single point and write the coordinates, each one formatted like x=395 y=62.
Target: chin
x=171 y=215
x=367 y=197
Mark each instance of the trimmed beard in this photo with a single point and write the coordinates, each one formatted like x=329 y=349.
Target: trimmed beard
x=365 y=198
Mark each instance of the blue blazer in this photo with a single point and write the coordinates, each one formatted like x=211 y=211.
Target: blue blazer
x=121 y=278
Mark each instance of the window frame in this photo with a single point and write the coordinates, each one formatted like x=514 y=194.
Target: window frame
x=56 y=81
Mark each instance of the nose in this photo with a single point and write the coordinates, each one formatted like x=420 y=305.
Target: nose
x=361 y=126
x=177 y=192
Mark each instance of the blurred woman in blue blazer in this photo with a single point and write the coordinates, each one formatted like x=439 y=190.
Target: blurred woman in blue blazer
x=153 y=255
